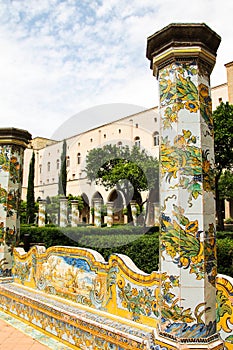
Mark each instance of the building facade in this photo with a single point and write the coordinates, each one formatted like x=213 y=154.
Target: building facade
x=141 y=129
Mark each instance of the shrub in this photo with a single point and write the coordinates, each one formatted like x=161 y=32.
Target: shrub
x=140 y=244
x=225 y=256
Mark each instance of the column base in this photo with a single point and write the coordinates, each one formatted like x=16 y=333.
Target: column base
x=171 y=342
x=8 y=279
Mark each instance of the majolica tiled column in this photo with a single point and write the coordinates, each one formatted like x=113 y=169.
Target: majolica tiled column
x=63 y=211
x=97 y=212
x=42 y=212
x=134 y=212
x=156 y=214
x=182 y=57
x=74 y=213
x=110 y=214
x=12 y=144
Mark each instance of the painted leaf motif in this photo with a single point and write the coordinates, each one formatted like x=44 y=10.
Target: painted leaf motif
x=230 y=339
x=222 y=307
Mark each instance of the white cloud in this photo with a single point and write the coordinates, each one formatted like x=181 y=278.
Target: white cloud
x=59 y=57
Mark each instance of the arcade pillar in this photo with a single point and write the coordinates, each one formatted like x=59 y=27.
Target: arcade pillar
x=182 y=57
x=12 y=144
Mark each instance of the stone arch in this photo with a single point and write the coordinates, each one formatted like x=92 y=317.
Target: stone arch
x=85 y=212
x=118 y=206
x=97 y=195
x=153 y=197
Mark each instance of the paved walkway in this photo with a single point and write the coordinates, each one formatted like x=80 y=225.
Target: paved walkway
x=16 y=335
x=13 y=339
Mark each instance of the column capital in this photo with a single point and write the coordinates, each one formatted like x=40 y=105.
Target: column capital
x=182 y=41
x=97 y=200
x=63 y=199
x=74 y=201
x=42 y=201
x=14 y=136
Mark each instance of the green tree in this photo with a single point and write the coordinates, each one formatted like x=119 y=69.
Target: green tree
x=70 y=197
x=23 y=212
x=130 y=170
x=225 y=185
x=52 y=209
x=30 y=211
x=63 y=173
x=223 y=148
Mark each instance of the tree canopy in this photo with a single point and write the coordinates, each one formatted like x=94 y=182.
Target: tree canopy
x=63 y=173
x=223 y=137
x=223 y=149
x=30 y=206
x=130 y=170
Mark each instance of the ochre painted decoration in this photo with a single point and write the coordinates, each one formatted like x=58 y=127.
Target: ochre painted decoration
x=11 y=160
x=225 y=309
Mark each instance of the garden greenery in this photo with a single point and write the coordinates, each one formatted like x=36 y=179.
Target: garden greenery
x=140 y=244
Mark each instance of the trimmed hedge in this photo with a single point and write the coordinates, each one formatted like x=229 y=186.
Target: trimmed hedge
x=225 y=256
x=140 y=244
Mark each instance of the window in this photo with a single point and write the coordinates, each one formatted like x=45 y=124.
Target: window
x=156 y=138
x=91 y=140
x=155 y=119
x=79 y=158
x=119 y=131
x=119 y=144
x=220 y=99
x=48 y=166
x=40 y=168
x=105 y=136
x=67 y=161
x=136 y=125
x=58 y=164
x=137 y=141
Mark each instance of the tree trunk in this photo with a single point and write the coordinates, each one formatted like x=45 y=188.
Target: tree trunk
x=219 y=206
x=129 y=214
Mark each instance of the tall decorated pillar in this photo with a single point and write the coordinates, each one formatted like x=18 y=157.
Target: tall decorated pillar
x=134 y=211
x=12 y=144
x=63 y=211
x=110 y=206
x=156 y=214
x=182 y=57
x=97 y=212
x=42 y=212
x=74 y=213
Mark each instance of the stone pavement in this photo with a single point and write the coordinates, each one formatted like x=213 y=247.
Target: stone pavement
x=12 y=339
x=16 y=335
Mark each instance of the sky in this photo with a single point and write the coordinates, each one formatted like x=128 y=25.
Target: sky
x=60 y=58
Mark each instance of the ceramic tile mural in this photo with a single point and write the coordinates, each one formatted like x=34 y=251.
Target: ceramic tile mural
x=11 y=158
x=81 y=276
x=76 y=297
x=187 y=224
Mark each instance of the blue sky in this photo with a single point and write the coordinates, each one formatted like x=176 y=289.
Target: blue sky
x=59 y=58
